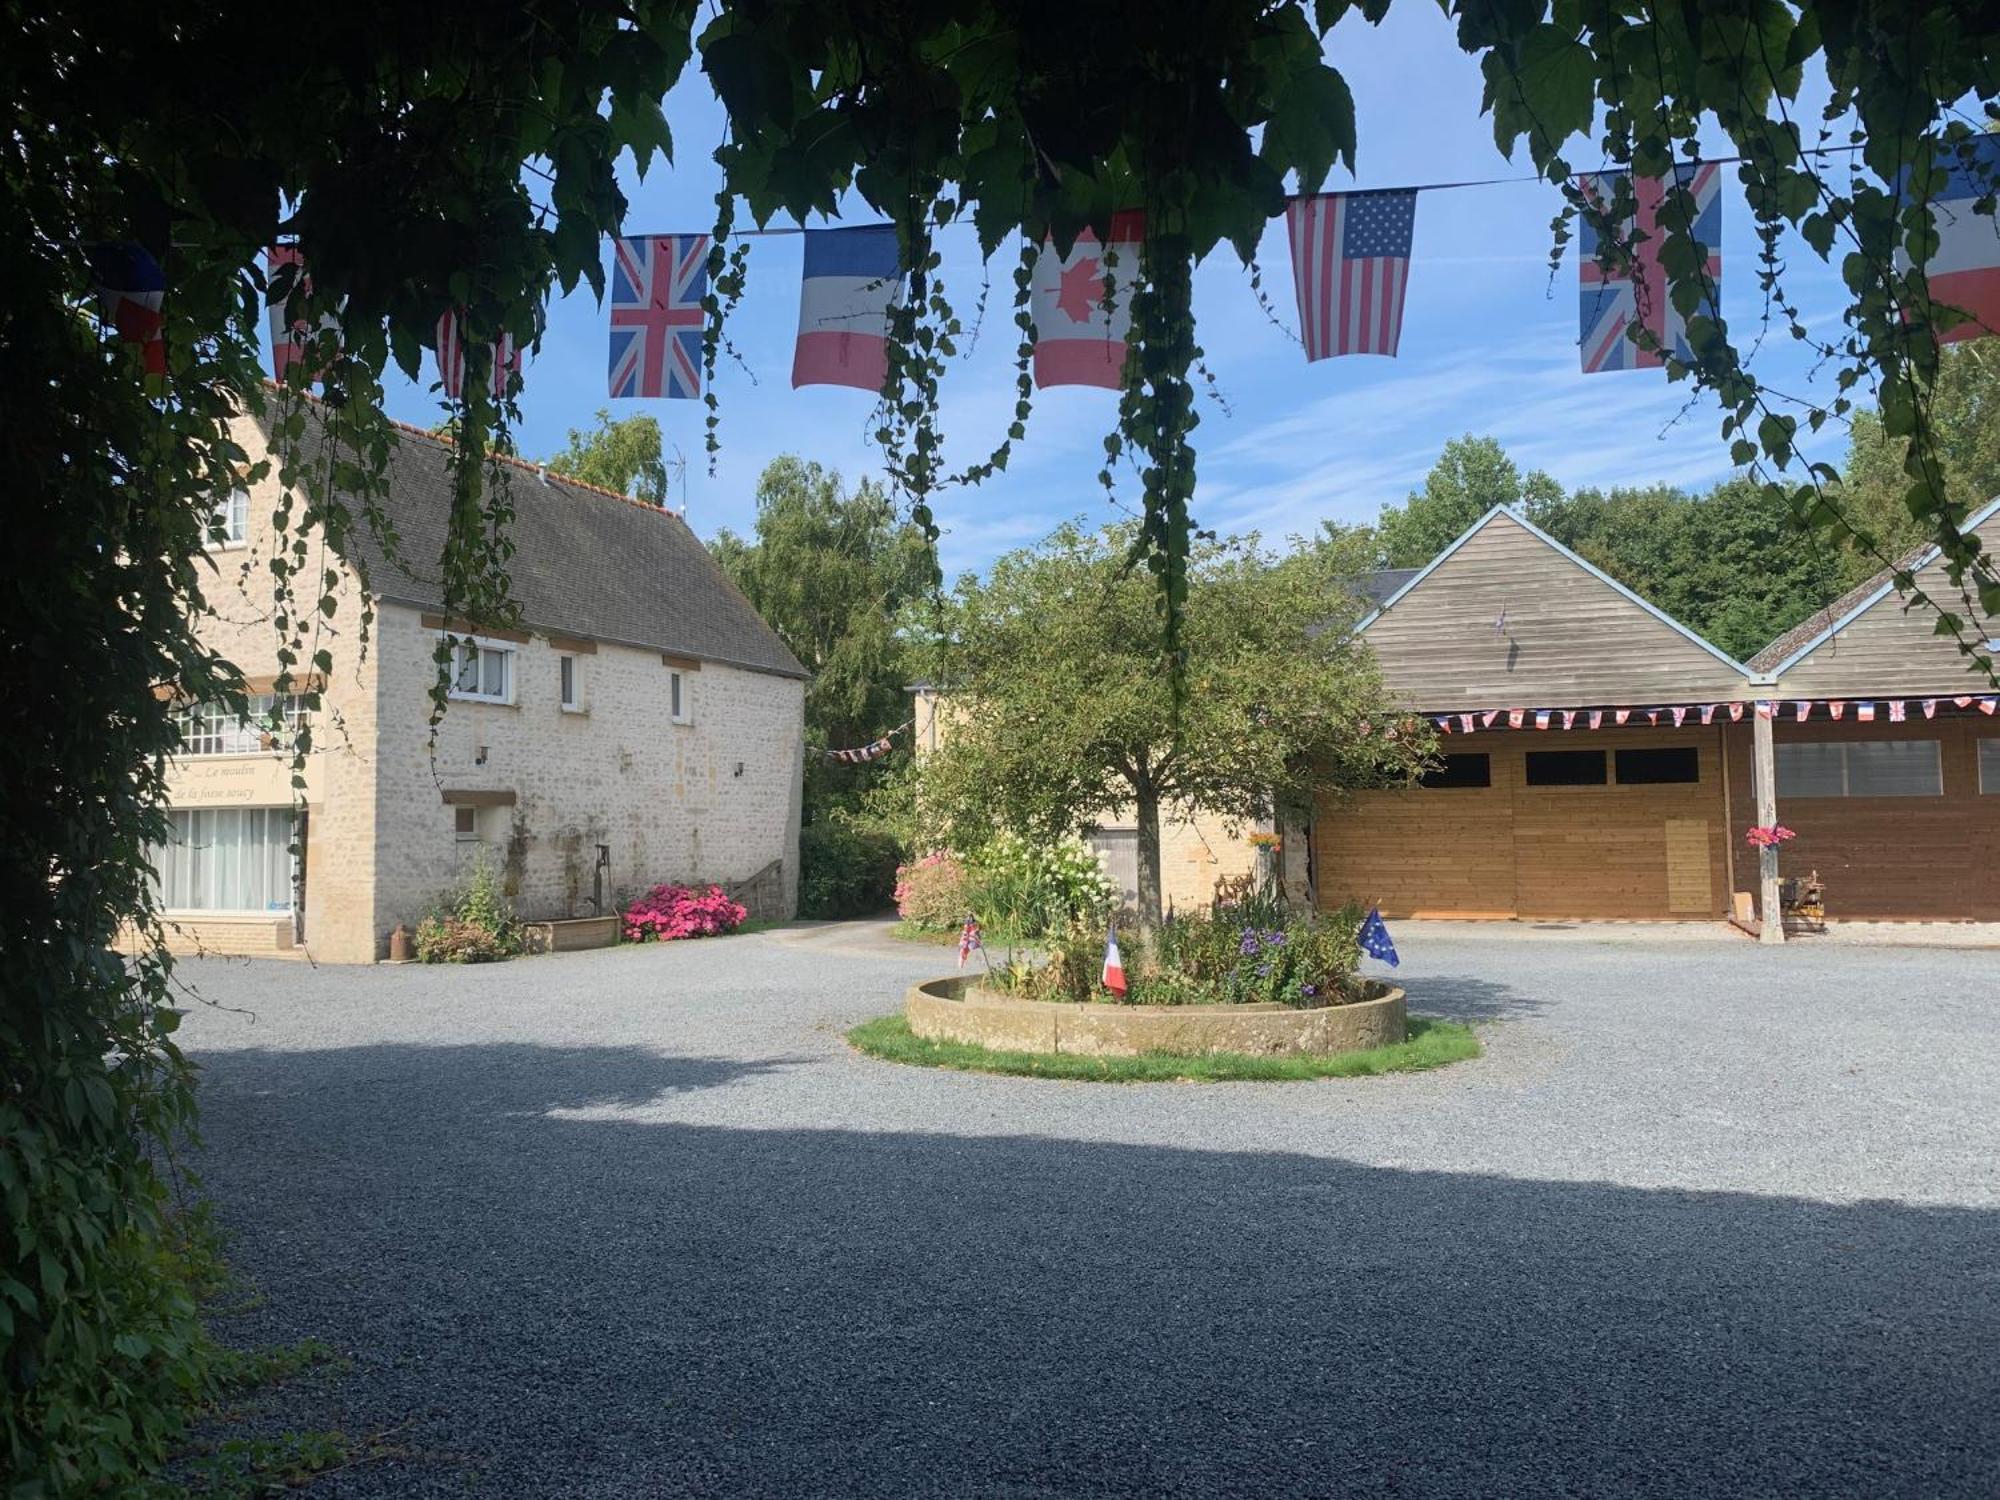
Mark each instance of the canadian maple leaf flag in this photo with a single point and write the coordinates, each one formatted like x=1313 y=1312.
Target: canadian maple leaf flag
x=1079 y=340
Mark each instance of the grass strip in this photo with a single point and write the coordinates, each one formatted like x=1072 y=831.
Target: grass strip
x=1432 y=1044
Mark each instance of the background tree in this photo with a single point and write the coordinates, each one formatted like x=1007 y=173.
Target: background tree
x=1471 y=476
x=1063 y=718
x=832 y=572
x=1964 y=425
x=624 y=456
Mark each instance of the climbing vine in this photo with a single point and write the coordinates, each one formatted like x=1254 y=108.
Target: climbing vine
x=391 y=149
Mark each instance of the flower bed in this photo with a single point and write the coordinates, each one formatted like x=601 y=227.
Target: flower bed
x=1254 y=953
x=668 y=913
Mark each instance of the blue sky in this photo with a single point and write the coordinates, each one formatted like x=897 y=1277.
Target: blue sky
x=1488 y=346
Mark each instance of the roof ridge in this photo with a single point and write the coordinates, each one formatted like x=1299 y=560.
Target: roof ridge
x=540 y=469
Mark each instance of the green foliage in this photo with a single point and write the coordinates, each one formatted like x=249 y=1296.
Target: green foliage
x=831 y=572
x=1431 y=1044
x=1062 y=716
x=1025 y=888
x=625 y=456
x=845 y=870
x=1471 y=476
x=473 y=924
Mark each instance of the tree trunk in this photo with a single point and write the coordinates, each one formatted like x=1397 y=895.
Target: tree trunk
x=1147 y=803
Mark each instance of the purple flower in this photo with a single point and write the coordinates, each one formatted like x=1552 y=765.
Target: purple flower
x=1306 y=989
x=1275 y=939
x=1263 y=971
x=1249 y=945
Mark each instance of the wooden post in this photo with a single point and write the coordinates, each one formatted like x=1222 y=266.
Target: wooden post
x=1764 y=779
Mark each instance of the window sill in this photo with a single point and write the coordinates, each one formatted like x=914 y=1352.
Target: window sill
x=575 y=711
x=483 y=702
x=242 y=546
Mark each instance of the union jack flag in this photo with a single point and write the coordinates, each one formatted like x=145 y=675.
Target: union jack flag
x=451 y=359
x=657 y=286
x=1613 y=301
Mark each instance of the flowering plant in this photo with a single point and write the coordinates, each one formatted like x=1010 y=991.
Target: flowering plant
x=931 y=892
x=1264 y=841
x=668 y=912
x=1768 y=838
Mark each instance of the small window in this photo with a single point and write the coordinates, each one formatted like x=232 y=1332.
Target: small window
x=1565 y=768
x=569 y=698
x=1459 y=771
x=465 y=822
x=229 y=526
x=1659 y=767
x=482 y=673
x=1989 y=766
x=677 y=696
x=1860 y=768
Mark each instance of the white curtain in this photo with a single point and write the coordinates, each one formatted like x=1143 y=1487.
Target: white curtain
x=227 y=859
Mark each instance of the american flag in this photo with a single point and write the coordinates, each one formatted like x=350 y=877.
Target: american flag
x=1611 y=302
x=451 y=358
x=130 y=289
x=657 y=286
x=1351 y=266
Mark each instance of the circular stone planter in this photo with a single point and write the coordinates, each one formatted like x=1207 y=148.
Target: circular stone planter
x=956 y=1010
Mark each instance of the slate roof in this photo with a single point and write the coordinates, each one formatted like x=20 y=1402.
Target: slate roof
x=587 y=562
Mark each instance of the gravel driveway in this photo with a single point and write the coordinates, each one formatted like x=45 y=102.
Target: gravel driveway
x=1705 y=1220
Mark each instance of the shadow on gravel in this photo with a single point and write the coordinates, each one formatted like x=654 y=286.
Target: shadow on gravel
x=1461 y=998
x=588 y=1308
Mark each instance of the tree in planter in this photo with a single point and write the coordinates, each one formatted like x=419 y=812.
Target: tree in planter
x=1063 y=713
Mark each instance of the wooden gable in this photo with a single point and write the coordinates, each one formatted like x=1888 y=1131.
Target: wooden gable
x=1506 y=617
x=1891 y=646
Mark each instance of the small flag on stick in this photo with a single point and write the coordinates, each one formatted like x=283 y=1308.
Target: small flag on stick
x=1374 y=938
x=1114 y=963
x=968 y=939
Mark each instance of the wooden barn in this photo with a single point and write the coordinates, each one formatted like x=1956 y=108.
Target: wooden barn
x=1603 y=761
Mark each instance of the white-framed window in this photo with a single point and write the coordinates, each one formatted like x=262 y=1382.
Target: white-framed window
x=678 y=698
x=231 y=520
x=268 y=722
x=235 y=859
x=572 y=692
x=465 y=824
x=1989 y=765
x=1860 y=768
x=482 y=671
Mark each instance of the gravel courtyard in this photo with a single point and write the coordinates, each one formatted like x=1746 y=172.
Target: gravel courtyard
x=1705 y=1220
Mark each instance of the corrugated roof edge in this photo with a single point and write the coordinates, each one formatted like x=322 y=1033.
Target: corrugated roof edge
x=1594 y=571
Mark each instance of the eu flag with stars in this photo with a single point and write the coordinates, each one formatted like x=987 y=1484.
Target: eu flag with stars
x=1374 y=938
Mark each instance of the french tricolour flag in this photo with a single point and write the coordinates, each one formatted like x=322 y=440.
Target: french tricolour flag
x=852 y=278
x=1964 y=274
x=1083 y=308
x=1114 y=963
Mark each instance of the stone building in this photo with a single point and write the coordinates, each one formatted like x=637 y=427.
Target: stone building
x=642 y=724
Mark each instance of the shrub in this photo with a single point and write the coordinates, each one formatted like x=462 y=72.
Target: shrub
x=1209 y=958
x=932 y=893
x=1034 y=889
x=670 y=912
x=472 y=925
x=845 y=871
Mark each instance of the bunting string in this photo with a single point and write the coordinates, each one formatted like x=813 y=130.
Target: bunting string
x=874 y=750
x=1676 y=715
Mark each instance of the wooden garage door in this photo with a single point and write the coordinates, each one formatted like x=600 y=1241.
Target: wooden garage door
x=1448 y=852
x=1644 y=849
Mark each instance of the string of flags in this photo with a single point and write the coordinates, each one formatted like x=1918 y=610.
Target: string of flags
x=1351 y=257
x=874 y=750
x=1798 y=710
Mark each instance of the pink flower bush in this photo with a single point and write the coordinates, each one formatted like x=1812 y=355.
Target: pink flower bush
x=667 y=912
x=931 y=892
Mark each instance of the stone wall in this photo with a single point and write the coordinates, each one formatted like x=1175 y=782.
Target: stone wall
x=712 y=799
x=340 y=797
